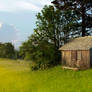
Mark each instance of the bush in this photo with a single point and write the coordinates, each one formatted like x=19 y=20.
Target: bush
x=34 y=66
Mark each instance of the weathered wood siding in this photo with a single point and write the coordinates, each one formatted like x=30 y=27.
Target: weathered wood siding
x=85 y=62
x=66 y=58
x=80 y=59
x=91 y=57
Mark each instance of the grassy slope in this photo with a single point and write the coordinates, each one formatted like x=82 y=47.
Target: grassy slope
x=17 y=77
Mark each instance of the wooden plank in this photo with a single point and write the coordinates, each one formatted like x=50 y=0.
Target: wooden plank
x=70 y=68
x=85 y=63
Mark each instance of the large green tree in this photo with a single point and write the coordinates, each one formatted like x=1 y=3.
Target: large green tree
x=52 y=31
x=80 y=7
x=54 y=25
x=49 y=25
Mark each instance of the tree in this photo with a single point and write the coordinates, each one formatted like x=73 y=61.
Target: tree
x=80 y=7
x=7 y=50
x=52 y=31
x=54 y=25
x=48 y=25
x=40 y=52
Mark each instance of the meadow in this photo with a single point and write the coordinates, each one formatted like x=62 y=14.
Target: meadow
x=16 y=76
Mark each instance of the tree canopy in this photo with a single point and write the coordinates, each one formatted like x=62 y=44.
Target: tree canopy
x=82 y=8
x=51 y=32
x=7 y=50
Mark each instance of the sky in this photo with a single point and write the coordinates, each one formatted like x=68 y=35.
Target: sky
x=19 y=16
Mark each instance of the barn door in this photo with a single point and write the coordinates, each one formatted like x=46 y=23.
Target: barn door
x=79 y=57
x=74 y=55
x=74 y=58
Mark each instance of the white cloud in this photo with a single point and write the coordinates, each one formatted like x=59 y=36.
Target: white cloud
x=23 y=5
x=15 y=41
x=2 y=7
x=1 y=25
x=45 y=2
x=9 y=33
x=20 y=5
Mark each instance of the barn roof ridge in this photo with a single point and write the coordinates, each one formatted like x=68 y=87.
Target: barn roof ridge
x=80 y=43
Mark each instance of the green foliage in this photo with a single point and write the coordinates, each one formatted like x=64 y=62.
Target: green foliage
x=43 y=54
x=7 y=50
x=82 y=9
x=51 y=32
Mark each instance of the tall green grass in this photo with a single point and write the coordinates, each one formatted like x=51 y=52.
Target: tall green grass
x=16 y=76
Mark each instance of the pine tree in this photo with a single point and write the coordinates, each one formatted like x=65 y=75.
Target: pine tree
x=82 y=8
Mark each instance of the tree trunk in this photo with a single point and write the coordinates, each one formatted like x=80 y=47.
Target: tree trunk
x=58 y=39
x=83 y=20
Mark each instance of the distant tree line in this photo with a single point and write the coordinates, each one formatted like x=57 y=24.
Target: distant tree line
x=55 y=26
x=7 y=51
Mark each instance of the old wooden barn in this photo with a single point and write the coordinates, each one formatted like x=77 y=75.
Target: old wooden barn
x=77 y=53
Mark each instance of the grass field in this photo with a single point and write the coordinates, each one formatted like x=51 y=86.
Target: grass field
x=16 y=76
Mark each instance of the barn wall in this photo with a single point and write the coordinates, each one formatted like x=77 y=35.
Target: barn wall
x=91 y=57
x=80 y=59
x=85 y=59
x=74 y=58
x=66 y=58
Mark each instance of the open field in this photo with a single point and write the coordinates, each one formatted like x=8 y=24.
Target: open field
x=16 y=76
